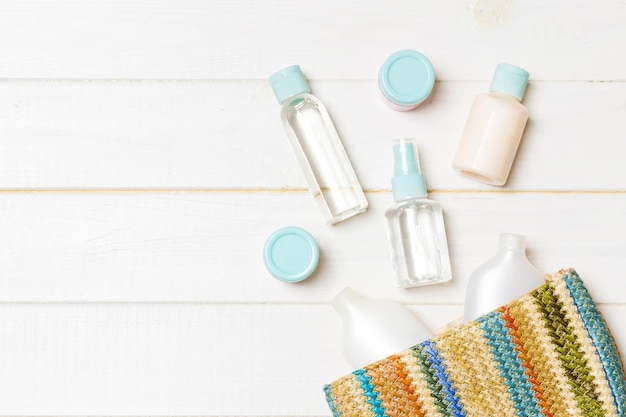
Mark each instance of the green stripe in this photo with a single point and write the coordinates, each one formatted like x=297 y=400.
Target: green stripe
x=431 y=381
x=574 y=363
x=601 y=338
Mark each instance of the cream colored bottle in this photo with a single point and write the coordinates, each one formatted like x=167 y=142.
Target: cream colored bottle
x=494 y=128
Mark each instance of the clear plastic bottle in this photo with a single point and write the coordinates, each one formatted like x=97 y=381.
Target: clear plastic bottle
x=494 y=128
x=502 y=279
x=374 y=329
x=320 y=153
x=415 y=227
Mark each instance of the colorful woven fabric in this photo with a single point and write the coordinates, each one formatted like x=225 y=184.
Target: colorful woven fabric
x=548 y=353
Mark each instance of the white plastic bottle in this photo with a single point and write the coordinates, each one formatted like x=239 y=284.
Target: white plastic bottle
x=374 y=329
x=318 y=148
x=494 y=128
x=502 y=279
x=415 y=226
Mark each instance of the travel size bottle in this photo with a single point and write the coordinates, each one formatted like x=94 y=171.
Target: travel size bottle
x=417 y=236
x=502 y=279
x=375 y=329
x=320 y=153
x=494 y=128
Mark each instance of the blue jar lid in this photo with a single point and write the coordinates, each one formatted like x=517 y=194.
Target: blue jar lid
x=291 y=254
x=406 y=78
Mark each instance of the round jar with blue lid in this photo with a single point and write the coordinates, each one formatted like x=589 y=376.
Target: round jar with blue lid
x=406 y=79
x=291 y=254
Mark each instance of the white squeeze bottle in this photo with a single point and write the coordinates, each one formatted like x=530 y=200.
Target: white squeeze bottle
x=374 y=329
x=494 y=128
x=502 y=279
x=315 y=141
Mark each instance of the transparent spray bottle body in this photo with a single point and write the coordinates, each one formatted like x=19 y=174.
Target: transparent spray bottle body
x=505 y=277
x=415 y=225
x=373 y=329
x=419 y=253
x=320 y=153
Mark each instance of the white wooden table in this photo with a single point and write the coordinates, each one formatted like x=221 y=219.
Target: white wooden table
x=143 y=165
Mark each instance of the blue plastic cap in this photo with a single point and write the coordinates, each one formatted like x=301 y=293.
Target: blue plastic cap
x=406 y=78
x=408 y=181
x=289 y=82
x=291 y=254
x=510 y=80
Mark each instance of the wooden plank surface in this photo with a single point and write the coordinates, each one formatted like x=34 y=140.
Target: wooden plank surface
x=206 y=247
x=143 y=165
x=178 y=359
x=227 y=135
x=175 y=359
x=138 y=39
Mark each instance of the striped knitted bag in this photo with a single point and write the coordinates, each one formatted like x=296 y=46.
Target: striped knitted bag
x=548 y=353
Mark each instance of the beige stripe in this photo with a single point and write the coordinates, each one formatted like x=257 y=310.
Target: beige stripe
x=419 y=384
x=391 y=386
x=544 y=357
x=350 y=400
x=586 y=345
x=472 y=368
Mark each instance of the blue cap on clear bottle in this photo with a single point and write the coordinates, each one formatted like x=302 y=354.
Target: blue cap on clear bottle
x=314 y=139
x=289 y=82
x=408 y=180
x=415 y=227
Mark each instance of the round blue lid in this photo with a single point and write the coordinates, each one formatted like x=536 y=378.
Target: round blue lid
x=407 y=77
x=291 y=254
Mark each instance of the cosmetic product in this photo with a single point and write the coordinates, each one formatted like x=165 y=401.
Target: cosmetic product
x=415 y=226
x=291 y=254
x=373 y=329
x=503 y=278
x=406 y=79
x=319 y=150
x=494 y=128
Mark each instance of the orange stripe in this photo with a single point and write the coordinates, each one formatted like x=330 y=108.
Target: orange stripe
x=407 y=381
x=394 y=389
x=526 y=362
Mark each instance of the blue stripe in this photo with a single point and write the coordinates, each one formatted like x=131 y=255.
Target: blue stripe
x=601 y=338
x=436 y=364
x=510 y=365
x=331 y=401
x=369 y=390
